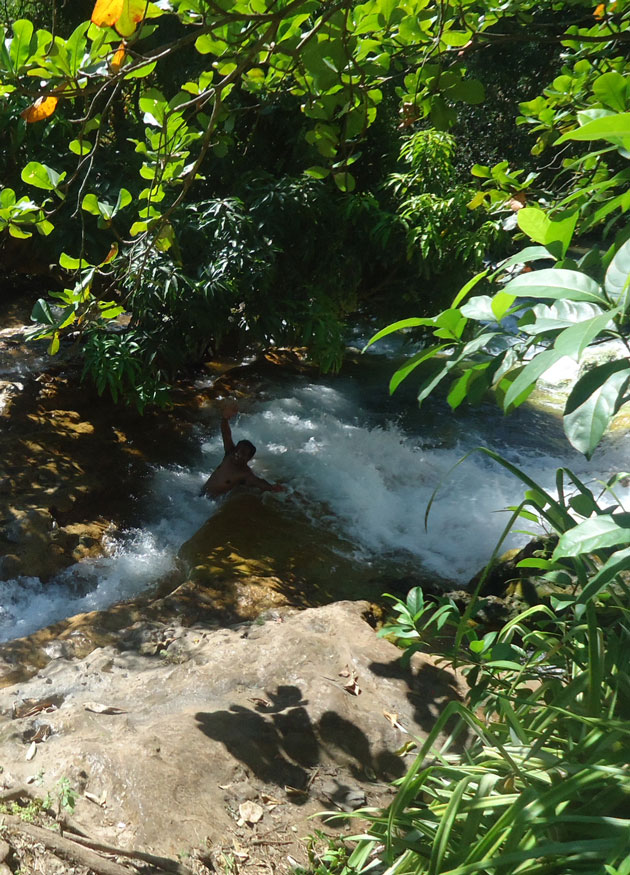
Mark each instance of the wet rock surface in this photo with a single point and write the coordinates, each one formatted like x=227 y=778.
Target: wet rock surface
x=178 y=738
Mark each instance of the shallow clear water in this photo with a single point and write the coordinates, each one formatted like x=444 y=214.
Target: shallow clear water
x=359 y=462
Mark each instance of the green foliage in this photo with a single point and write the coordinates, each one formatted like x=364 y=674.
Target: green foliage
x=112 y=136
x=541 y=784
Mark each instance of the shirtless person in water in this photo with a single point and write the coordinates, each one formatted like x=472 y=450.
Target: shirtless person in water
x=234 y=470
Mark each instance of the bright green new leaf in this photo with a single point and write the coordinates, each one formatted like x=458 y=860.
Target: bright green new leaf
x=611 y=89
x=542 y=229
x=141 y=72
x=467 y=287
x=610 y=127
x=41 y=176
x=80 y=147
x=53 y=346
x=535 y=223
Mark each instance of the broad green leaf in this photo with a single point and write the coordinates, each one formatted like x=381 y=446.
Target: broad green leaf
x=465 y=289
x=69 y=263
x=530 y=374
x=617 y=563
x=618 y=273
x=41 y=176
x=20 y=49
x=90 y=204
x=399 y=326
x=42 y=313
x=415 y=601
x=80 y=147
x=556 y=284
x=154 y=106
x=535 y=223
x=611 y=89
x=412 y=363
x=501 y=304
x=317 y=172
x=574 y=340
x=142 y=71
x=585 y=424
x=594 y=535
x=530 y=253
x=540 y=228
x=123 y=200
x=450 y=324
x=18 y=231
x=556 y=316
x=606 y=128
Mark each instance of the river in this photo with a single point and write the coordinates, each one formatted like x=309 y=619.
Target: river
x=359 y=463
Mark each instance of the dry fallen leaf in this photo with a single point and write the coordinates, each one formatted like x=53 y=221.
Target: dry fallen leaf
x=393 y=719
x=250 y=812
x=98 y=708
x=95 y=799
x=352 y=686
x=270 y=801
x=31 y=752
x=43 y=732
x=260 y=703
x=294 y=791
x=29 y=708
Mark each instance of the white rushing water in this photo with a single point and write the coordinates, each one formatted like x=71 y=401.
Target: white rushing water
x=358 y=462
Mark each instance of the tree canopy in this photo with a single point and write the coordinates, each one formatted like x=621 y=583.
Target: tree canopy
x=186 y=162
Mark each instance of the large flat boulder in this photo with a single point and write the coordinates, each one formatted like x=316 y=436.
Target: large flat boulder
x=179 y=738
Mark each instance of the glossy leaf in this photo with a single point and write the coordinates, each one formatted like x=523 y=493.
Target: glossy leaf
x=530 y=253
x=413 y=363
x=618 y=274
x=399 y=326
x=530 y=374
x=592 y=535
x=606 y=128
x=556 y=284
x=41 y=176
x=556 y=316
x=574 y=340
x=585 y=423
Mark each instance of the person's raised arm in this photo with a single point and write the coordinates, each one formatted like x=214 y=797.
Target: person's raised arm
x=229 y=410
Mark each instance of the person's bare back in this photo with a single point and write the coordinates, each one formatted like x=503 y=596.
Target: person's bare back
x=234 y=470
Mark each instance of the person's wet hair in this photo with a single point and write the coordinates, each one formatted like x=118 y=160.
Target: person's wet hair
x=247 y=445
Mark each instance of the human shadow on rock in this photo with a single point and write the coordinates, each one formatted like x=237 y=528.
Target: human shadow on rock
x=276 y=741
x=429 y=690
x=279 y=743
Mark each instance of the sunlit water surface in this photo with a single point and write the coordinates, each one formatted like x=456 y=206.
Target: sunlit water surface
x=358 y=462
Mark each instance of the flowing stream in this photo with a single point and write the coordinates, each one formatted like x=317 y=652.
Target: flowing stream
x=360 y=464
